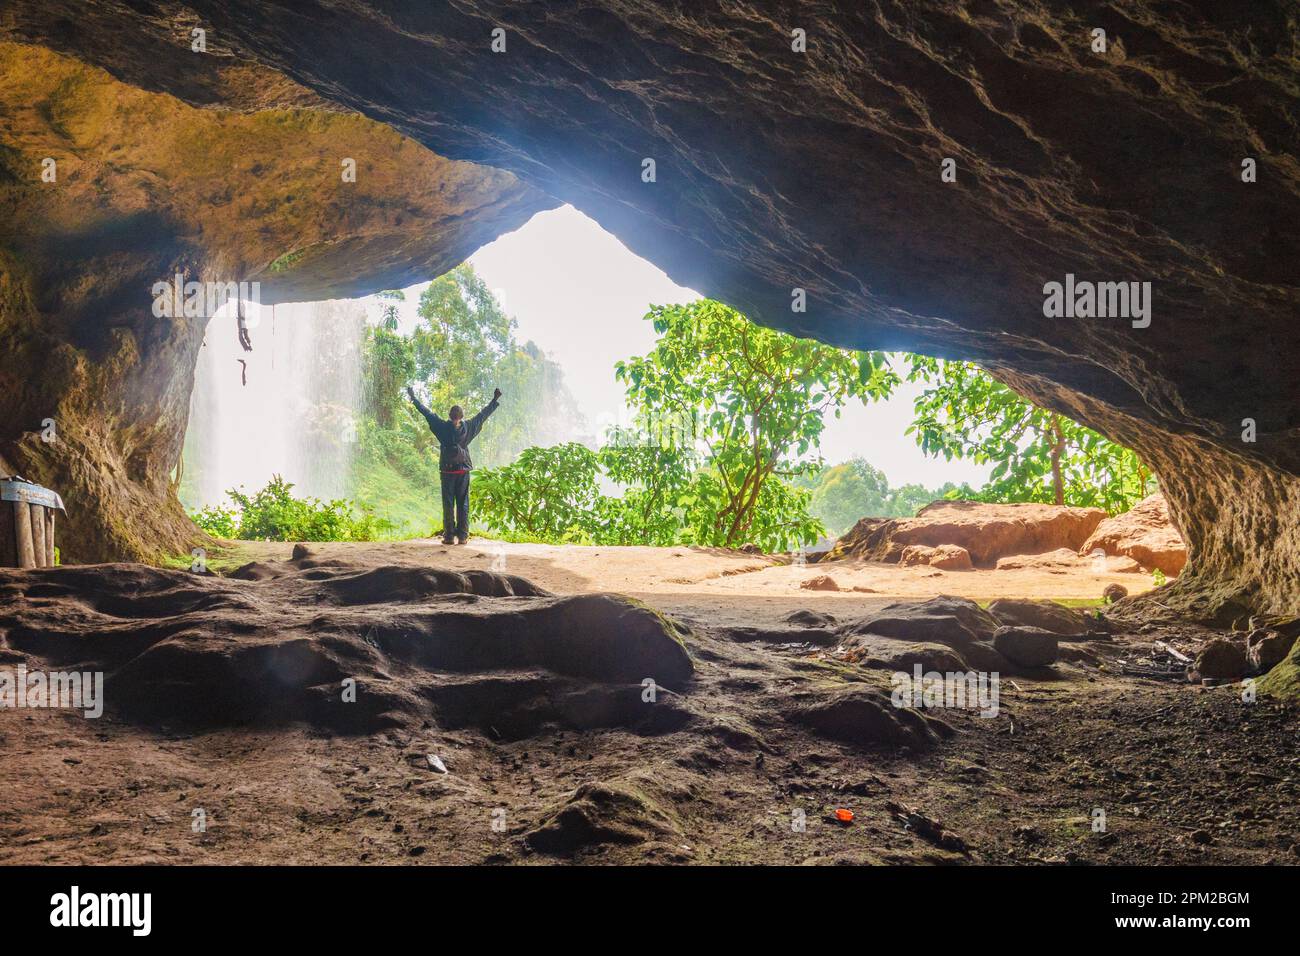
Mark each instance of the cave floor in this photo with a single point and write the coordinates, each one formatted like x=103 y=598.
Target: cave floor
x=1183 y=773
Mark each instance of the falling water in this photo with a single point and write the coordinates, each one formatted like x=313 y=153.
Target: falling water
x=290 y=410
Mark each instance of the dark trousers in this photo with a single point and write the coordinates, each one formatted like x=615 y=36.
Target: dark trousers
x=455 y=506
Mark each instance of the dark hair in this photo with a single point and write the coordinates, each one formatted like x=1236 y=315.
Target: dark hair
x=456 y=414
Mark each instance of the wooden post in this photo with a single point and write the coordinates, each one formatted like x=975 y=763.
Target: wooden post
x=38 y=534
x=23 y=532
x=8 y=549
x=49 y=537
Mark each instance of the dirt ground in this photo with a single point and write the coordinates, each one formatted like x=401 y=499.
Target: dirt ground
x=1181 y=773
x=715 y=586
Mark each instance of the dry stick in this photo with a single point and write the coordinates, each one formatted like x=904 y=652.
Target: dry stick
x=1176 y=655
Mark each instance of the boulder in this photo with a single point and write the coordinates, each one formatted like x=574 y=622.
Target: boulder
x=983 y=657
x=1145 y=534
x=1063 y=621
x=1067 y=560
x=948 y=620
x=1221 y=659
x=1026 y=646
x=862 y=715
x=806 y=617
x=890 y=654
x=1114 y=592
x=986 y=531
x=1266 y=649
x=948 y=557
x=823 y=582
x=616 y=811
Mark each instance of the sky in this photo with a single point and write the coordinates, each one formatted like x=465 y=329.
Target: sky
x=580 y=295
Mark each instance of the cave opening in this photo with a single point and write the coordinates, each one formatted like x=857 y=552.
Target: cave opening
x=288 y=393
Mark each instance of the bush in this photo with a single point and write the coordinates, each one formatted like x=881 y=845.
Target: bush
x=549 y=493
x=273 y=513
x=218 y=522
x=552 y=495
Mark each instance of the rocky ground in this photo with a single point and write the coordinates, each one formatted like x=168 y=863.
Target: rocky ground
x=223 y=707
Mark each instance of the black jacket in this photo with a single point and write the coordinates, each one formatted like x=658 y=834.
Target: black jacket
x=454 y=440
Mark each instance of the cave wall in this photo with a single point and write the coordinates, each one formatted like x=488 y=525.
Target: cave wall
x=148 y=187
x=820 y=170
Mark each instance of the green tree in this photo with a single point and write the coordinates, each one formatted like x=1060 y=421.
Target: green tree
x=461 y=339
x=462 y=346
x=845 y=493
x=552 y=495
x=907 y=500
x=752 y=397
x=1038 y=455
x=465 y=346
x=656 y=481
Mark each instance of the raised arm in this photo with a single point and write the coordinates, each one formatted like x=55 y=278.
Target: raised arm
x=434 y=421
x=477 y=420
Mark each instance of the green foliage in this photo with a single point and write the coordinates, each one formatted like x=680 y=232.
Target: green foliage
x=217 y=521
x=462 y=347
x=553 y=495
x=726 y=413
x=657 y=482
x=273 y=513
x=754 y=400
x=779 y=520
x=1039 y=455
x=549 y=493
x=844 y=493
x=287 y=261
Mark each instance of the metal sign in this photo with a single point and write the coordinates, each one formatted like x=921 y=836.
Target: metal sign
x=16 y=489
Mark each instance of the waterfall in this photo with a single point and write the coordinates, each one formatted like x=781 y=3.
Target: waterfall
x=290 y=410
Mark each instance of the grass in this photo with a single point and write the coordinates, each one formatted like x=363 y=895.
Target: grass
x=512 y=537
x=286 y=261
x=392 y=496
x=1068 y=602
x=220 y=560
x=418 y=512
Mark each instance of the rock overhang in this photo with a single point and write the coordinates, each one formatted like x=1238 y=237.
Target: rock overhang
x=821 y=170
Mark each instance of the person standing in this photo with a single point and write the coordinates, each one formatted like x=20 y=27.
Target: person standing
x=454 y=434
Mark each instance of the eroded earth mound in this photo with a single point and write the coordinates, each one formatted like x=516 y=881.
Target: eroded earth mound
x=986 y=531
x=286 y=642
x=1144 y=533
x=498 y=722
